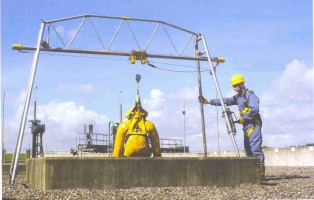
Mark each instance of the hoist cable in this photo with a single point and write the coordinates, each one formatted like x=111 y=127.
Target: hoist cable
x=151 y=65
x=169 y=70
x=187 y=66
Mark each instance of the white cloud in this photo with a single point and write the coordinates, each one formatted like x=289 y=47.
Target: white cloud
x=187 y=93
x=65 y=33
x=17 y=102
x=295 y=83
x=295 y=86
x=63 y=120
x=155 y=104
x=165 y=111
x=287 y=107
x=268 y=99
x=88 y=88
x=230 y=93
x=60 y=30
x=71 y=33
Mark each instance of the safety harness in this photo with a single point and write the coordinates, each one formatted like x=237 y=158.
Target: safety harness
x=257 y=118
x=136 y=129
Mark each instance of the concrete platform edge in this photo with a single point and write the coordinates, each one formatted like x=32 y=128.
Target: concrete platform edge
x=100 y=173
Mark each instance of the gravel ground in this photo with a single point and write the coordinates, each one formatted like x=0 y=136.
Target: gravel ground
x=281 y=183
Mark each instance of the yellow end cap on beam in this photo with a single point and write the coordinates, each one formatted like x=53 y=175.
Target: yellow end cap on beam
x=17 y=46
x=220 y=60
x=126 y=18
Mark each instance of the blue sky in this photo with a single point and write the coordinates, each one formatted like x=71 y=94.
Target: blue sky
x=269 y=42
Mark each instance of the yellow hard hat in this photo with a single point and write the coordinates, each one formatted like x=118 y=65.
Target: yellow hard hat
x=236 y=79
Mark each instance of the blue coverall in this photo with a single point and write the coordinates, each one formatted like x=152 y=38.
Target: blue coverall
x=252 y=120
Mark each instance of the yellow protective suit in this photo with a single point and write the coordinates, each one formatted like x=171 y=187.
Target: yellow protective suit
x=134 y=136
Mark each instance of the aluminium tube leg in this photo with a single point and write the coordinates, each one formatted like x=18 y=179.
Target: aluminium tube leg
x=109 y=131
x=14 y=164
x=200 y=94
x=2 y=122
x=220 y=98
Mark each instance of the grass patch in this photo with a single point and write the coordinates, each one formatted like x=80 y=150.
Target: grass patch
x=9 y=156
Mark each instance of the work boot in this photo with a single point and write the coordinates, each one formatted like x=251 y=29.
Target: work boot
x=262 y=172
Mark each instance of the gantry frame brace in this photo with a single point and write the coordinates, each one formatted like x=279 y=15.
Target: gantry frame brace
x=20 y=47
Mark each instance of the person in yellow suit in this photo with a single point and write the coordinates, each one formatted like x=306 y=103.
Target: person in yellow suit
x=136 y=137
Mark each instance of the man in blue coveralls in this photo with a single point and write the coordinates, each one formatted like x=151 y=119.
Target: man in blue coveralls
x=248 y=104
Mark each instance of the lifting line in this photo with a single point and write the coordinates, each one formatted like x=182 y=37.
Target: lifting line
x=148 y=63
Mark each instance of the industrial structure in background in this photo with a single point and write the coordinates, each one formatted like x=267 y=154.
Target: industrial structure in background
x=173 y=146
x=90 y=142
x=38 y=130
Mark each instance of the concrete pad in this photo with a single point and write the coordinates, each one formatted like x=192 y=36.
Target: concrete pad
x=101 y=173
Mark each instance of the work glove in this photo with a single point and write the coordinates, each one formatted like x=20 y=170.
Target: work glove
x=240 y=121
x=201 y=99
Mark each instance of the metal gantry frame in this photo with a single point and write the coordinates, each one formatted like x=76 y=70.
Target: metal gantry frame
x=43 y=45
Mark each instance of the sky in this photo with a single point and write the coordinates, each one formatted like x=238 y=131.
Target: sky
x=271 y=46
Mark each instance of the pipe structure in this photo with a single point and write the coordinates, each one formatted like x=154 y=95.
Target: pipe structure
x=109 y=133
x=183 y=125
x=121 y=18
x=14 y=164
x=220 y=98
x=111 y=53
x=200 y=94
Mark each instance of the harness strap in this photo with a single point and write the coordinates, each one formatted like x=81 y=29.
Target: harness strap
x=131 y=132
x=251 y=130
x=245 y=100
x=257 y=118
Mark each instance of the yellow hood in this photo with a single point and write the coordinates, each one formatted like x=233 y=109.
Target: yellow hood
x=136 y=109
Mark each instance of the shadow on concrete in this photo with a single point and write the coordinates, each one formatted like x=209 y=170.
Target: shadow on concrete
x=287 y=177
x=279 y=178
x=25 y=185
x=270 y=184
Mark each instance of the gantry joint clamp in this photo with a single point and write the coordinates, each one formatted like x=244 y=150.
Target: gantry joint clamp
x=138 y=55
